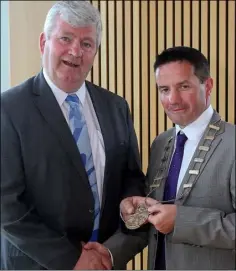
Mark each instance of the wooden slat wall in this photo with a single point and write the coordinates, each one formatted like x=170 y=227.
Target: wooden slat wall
x=135 y=31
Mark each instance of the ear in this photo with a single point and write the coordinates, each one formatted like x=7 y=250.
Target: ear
x=209 y=86
x=42 y=41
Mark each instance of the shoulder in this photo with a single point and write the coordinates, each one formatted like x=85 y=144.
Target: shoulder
x=107 y=95
x=162 y=138
x=229 y=128
x=228 y=139
x=15 y=95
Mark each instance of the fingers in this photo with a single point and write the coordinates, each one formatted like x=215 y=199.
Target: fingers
x=138 y=200
x=90 y=245
x=98 y=247
x=150 y=201
x=155 y=208
x=127 y=206
x=90 y=260
x=96 y=261
x=106 y=261
x=153 y=220
x=102 y=251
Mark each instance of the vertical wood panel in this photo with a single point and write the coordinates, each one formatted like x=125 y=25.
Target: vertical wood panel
x=152 y=56
x=204 y=34
x=231 y=62
x=213 y=50
x=136 y=67
x=144 y=85
x=119 y=52
x=177 y=23
x=160 y=48
x=221 y=57
x=111 y=46
x=187 y=23
x=169 y=40
x=195 y=19
x=104 y=56
x=96 y=69
x=128 y=53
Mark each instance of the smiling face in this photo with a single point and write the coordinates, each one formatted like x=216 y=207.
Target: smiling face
x=183 y=96
x=68 y=54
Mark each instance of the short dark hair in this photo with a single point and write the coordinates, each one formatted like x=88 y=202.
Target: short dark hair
x=183 y=53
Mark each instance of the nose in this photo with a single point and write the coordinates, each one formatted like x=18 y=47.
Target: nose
x=174 y=96
x=76 y=50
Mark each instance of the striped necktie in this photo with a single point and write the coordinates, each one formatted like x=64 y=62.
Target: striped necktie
x=79 y=130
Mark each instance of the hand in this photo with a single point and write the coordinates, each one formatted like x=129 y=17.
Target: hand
x=130 y=204
x=103 y=251
x=163 y=217
x=91 y=259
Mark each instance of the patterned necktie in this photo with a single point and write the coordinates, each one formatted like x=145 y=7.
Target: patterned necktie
x=79 y=130
x=170 y=193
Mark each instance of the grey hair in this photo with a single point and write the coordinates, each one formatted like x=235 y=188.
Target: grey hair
x=75 y=13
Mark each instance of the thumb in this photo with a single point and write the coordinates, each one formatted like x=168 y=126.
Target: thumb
x=150 y=201
x=90 y=245
x=127 y=206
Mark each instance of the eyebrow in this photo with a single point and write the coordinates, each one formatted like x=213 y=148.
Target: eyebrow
x=183 y=82
x=67 y=33
x=179 y=83
x=162 y=87
x=89 y=38
x=71 y=34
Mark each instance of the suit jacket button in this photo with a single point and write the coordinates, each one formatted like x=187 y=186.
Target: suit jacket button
x=91 y=211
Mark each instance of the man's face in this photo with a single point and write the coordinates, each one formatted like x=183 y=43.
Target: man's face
x=68 y=54
x=182 y=95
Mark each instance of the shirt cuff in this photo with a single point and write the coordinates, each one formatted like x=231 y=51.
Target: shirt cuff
x=112 y=261
x=122 y=217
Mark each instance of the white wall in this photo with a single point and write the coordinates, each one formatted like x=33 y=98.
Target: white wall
x=5 y=46
x=26 y=24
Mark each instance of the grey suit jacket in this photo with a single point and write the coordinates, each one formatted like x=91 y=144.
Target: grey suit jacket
x=204 y=231
x=46 y=200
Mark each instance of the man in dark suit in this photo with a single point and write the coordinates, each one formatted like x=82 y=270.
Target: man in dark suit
x=59 y=133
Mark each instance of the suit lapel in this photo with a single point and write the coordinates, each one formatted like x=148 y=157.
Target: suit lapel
x=215 y=143
x=161 y=169
x=100 y=105
x=46 y=103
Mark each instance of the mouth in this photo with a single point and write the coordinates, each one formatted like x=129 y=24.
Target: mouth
x=70 y=64
x=177 y=110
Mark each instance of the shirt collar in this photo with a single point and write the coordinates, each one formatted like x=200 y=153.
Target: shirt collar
x=61 y=95
x=195 y=130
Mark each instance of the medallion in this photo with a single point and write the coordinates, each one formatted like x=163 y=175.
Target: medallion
x=138 y=218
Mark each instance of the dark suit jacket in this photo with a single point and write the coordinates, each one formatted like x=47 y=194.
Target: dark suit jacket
x=47 y=203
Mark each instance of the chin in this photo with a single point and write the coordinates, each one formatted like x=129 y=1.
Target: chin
x=181 y=123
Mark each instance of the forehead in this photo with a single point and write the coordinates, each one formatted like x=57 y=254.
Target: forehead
x=178 y=69
x=63 y=27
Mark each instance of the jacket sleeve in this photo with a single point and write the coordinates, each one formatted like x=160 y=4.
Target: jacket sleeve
x=207 y=227
x=134 y=179
x=125 y=244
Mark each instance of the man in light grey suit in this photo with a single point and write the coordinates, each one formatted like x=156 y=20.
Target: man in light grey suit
x=191 y=185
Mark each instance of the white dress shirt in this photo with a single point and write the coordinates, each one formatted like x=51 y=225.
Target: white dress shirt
x=194 y=132
x=94 y=130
